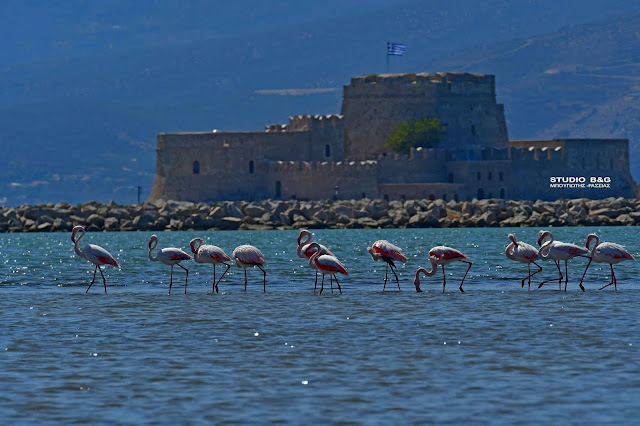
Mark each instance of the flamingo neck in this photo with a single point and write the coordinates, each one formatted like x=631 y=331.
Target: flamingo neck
x=76 y=243
x=303 y=239
x=591 y=238
x=152 y=246
x=195 y=245
x=509 y=251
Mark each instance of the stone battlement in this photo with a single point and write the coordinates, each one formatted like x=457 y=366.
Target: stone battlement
x=304 y=123
x=328 y=166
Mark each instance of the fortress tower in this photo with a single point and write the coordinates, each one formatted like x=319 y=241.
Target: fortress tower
x=466 y=103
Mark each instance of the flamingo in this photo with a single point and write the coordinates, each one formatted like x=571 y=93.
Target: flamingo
x=383 y=249
x=169 y=256
x=327 y=264
x=210 y=254
x=557 y=251
x=610 y=253
x=524 y=253
x=442 y=255
x=305 y=251
x=94 y=254
x=248 y=256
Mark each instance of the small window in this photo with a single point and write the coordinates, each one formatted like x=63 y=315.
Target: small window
x=473 y=130
x=196 y=167
x=501 y=175
x=455 y=197
x=444 y=197
x=480 y=193
x=432 y=197
x=450 y=177
x=501 y=192
x=252 y=167
x=489 y=176
x=327 y=150
x=363 y=194
x=386 y=197
x=479 y=175
x=279 y=189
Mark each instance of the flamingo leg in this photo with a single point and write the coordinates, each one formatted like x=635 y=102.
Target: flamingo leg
x=585 y=273
x=227 y=270
x=213 y=286
x=245 y=280
x=171 y=279
x=94 y=278
x=539 y=269
x=264 y=283
x=529 y=277
x=396 y=275
x=444 y=279
x=613 y=280
x=187 y=278
x=331 y=281
x=566 y=275
x=316 y=284
x=465 y=274
x=553 y=279
x=386 y=276
x=103 y=280
x=322 y=284
x=339 y=288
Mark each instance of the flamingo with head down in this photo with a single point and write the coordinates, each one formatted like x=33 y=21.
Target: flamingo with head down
x=206 y=253
x=557 y=251
x=305 y=250
x=442 y=255
x=328 y=265
x=610 y=253
x=169 y=256
x=524 y=253
x=248 y=256
x=94 y=254
x=384 y=250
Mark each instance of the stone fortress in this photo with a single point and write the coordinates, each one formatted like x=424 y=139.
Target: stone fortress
x=344 y=157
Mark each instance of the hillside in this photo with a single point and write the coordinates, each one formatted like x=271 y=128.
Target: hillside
x=82 y=101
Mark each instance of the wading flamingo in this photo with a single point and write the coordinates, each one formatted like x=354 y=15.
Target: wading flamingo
x=169 y=256
x=442 y=255
x=247 y=256
x=327 y=264
x=205 y=253
x=610 y=253
x=557 y=251
x=524 y=253
x=383 y=249
x=305 y=251
x=94 y=254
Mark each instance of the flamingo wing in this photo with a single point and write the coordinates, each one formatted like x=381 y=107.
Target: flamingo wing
x=386 y=249
x=526 y=251
x=330 y=264
x=213 y=253
x=99 y=256
x=444 y=253
x=249 y=254
x=615 y=252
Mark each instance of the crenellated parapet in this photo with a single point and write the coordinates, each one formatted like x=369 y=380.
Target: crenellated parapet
x=305 y=123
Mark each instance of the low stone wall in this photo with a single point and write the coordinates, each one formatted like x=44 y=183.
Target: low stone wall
x=364 y=213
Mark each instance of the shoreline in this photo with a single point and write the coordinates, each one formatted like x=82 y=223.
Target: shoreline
x=342 y=214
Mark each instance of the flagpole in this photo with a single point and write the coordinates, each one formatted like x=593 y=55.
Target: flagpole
x=387 y=57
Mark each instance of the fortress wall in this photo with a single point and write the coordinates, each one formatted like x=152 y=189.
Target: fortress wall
x=465 y=102
x=481 y=179
x=318 y=180
x=432 y=191
x=423 y=165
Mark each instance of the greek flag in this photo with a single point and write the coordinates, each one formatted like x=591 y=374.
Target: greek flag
x=395 y=49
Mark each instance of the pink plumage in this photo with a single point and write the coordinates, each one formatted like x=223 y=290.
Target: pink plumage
x=610 y=253
x=387 y=252
x=524 y=253
x=327 y=265
x=94 y=254
x=169 y=256
x=557 y=251
x=247 y=256
x=442 y=255
x=206 y=253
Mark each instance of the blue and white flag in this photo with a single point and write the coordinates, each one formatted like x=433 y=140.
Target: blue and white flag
x=395 y=49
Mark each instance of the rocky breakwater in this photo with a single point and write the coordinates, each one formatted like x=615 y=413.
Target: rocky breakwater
x=273 y=214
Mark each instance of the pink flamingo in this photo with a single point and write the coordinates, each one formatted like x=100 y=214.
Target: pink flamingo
x=442 y=255
x=248 y=256
x=305 y=250
x=169 y=256
x=94 y=254
x=383 y=249
x=557 y=251
x=524 y=253
x=327 y=264
x=610 y=253
x=210 y=254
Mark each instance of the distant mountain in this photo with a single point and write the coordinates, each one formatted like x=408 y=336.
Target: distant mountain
x=86 y=87
x=581 y=81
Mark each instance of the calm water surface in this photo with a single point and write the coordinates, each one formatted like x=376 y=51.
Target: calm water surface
x=496 y=354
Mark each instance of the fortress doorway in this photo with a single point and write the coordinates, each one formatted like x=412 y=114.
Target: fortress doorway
x=278 y=189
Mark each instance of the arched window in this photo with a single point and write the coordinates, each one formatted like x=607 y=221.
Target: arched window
x=444 y=197
x=278 y=189
x=455 y=197
x=363 y=194
x=501 y=192
x=473 y=130
x=386 y=197
x=501 y=176
x=196 y=167
x=432 y=197
x=480 y=193
x=450 y=177
x=327 y=150
x=252 y=168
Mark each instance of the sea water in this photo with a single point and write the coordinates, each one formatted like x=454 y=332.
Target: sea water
x=494 y=354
